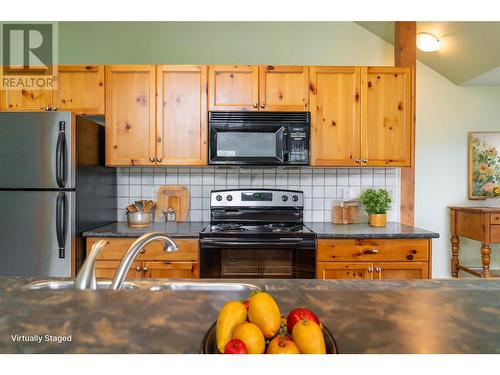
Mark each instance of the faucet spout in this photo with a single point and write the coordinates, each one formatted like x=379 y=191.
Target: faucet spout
x=169 y=245
x=86 y=276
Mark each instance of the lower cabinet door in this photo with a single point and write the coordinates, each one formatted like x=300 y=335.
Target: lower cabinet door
x=400 y=270
x=106 y=269
x=171 y=270
x=338 y=270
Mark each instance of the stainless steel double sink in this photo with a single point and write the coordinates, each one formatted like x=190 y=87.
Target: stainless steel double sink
x=181 y=286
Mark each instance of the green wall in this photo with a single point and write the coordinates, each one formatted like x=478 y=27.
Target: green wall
x=301 y=43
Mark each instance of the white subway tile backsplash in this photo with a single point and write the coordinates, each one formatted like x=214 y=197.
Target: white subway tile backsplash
x=321 y=186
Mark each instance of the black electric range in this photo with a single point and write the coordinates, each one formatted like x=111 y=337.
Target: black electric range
x=257 y=234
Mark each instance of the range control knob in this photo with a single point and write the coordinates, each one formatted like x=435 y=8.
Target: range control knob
x=284 y=198
x=229 y=197
x=218 y=198
x=295 y=198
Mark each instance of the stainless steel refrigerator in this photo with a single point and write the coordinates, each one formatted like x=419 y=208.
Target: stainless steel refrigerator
x=53 y=186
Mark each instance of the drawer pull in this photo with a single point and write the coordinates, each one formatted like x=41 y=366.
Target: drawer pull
x=138 y=268
x=145 y=269
x=142 y=251
x=370 y=269
x=378 y=269
x=409 y=257
x=371 y=251
x=413 y=251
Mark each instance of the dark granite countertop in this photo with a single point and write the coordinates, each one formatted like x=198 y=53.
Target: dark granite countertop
x=188 y=229
x=323 y=230
x=418 y=316
x=364 y=230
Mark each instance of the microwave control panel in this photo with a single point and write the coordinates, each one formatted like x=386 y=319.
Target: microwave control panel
x=298 y=145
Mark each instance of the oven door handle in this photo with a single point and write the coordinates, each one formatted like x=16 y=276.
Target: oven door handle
x=205 y=243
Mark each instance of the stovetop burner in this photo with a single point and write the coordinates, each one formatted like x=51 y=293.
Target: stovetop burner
x=282 y=227
x=233 y=227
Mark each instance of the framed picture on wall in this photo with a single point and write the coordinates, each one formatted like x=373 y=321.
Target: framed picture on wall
x=484 y=165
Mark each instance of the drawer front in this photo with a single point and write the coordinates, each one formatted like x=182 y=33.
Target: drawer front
x=495 y=218
x=495 y=233
x=373 y=250
x=117 y=247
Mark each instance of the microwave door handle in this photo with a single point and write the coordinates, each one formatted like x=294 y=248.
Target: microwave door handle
x=284 y=143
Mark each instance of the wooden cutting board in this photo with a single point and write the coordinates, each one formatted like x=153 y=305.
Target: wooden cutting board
x=175 y=197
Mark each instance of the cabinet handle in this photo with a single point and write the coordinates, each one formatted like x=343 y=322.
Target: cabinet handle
x=158 y=160
x=138 y=268
x=262 y=105
x=371 y=251
x=378 y=269
x=365 y=161
x=152 y=160
x=358 y=161
x=255 y=105
x=370 y=269
x=145 y=269
x=142 y=251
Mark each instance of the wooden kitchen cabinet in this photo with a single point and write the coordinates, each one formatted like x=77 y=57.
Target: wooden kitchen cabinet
x=400 y=270
x=106 y=269
x=80 y=89
x=374 y=259
x=171 y=270
x=335 y=116
x=386 y=116
x=151 y=262
x=340 y=270
x=130 y=115
x=234 y=87
x=283 y=88
x=156 y=115
x=258 y=88
x=361 y=116
x=181 y=124
x=27 y=99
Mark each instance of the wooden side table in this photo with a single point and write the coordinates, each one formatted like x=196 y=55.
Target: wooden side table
x=477 y=223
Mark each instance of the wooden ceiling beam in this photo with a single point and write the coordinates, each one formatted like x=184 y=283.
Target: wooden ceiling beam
x=405 y=54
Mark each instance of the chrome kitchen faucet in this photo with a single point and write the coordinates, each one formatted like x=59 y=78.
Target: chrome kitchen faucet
x=134 y=249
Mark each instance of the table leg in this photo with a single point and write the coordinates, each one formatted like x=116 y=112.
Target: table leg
x=455 y=247
x=485 y=258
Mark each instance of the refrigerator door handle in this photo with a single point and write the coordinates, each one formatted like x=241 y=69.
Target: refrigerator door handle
x=61 y=223
x=61 y=156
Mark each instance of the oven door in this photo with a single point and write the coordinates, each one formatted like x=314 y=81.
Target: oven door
x=246 y=143
x=286 y=258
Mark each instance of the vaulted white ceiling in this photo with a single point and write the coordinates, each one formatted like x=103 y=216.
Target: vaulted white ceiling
x=469 y=52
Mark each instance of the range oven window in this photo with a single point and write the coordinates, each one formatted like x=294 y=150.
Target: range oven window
x=232 y=262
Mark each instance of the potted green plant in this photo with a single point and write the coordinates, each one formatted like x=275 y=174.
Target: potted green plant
x=376 y=204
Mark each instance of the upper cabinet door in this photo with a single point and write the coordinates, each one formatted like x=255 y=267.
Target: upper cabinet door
x=80 y=89
x=27 y=99
x=130 y=115
x=181 y=115
x=283 y=88
x=335 y=106
x=234 y=88
x=386 y=116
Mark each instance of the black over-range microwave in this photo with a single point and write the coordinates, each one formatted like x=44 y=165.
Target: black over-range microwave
x=259 y=138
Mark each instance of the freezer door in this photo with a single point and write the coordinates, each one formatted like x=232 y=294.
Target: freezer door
x=36 y=233
x=37 y=150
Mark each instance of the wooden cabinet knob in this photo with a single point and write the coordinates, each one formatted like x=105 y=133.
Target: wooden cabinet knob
x=152 y=160
x=138 y=268
x=255 y=105
x=145 y=269
x=262 y=105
